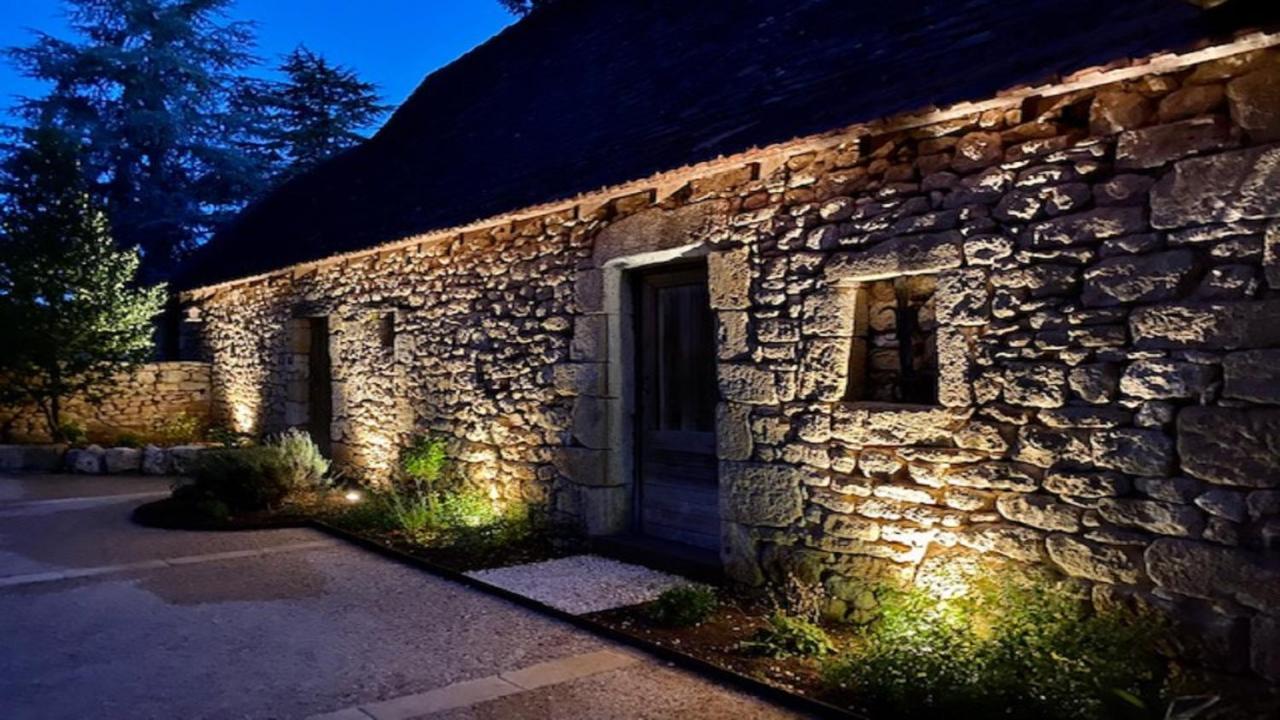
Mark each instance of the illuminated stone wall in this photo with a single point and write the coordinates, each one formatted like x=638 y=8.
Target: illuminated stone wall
x=140 y=401
x=1104 y=270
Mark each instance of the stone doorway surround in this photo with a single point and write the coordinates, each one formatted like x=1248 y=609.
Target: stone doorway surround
x=600 y=464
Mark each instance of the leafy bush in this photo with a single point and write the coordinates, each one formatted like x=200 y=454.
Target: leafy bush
x=786 y=635
x=1020 y=646
x=228 y=438
x=73 y=432
x=128 y=440
x=305 y=466
x=244 y=480
x=683 y=606
x=180 y=429
x=425 y=461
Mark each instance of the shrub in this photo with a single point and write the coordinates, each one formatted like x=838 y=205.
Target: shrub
x=1020 y=646
x=305 y=466
x=425 y=461
x=73 y=432
x=786 y=635
x=128 y=440
x=683 y=606
x=228 y=438
x=179 y=429
x=245 y=480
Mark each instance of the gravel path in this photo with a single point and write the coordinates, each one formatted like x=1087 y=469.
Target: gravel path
x=582 y=584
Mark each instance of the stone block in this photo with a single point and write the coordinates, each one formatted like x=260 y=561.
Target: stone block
x=1255 y=102
x=588 y=291
x=760 y=494
x=993 y=476
x=1095 y=383
x=1087 y=227
x=1044 y=447
x=1086 y=483
x=86 y=461
x=824 y=369
x=748 y=384
x=1094 y=561
x=1153 y=516
x=729 y=279
x=584 y=466
x=574 y=379
x=962 y=297
x=591 y=421
x=1136 y=452
x=834 y=312
x=733 y=431
x=605 y=510
x=1210 y=326
x=977 y=150
x=732 y=334
x=1041 y=385
x=954 y=367
x=1013 y=541
x=739 y=554
x=122 y=460
x=1165 y=379
x=1231 y=446
x=1190 y=101
x=1225 y=504
x=1039 y=511
x=590 y=341
x=1213 y=572
x=1252 y=375
x=1114 y=111
x=155 y=461
x=862 y=424
x=912 y=255
x=1222 y=188
x=1155 y=146
x=1142 y=278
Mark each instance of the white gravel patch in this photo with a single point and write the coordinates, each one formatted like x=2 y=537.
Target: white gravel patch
x=582 y=584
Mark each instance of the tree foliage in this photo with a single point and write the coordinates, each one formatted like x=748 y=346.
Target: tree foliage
x=147 y=87
x=178 y=137
x=317 y=111
x=71 y=316
x=524 y=7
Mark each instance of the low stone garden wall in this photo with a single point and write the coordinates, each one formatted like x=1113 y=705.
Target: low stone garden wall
x=96 y=460
x=141 y=402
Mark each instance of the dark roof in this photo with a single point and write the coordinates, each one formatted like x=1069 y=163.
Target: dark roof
x=589 y=93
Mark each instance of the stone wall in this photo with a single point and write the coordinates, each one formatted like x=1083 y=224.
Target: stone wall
x=139 y=401
x=1104 y=266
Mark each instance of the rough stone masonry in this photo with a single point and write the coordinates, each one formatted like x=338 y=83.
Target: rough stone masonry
x=1102 y=271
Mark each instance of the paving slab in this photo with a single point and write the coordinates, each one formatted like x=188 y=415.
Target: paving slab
x=582 y=584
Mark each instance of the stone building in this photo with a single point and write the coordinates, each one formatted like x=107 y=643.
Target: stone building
x=844 y=290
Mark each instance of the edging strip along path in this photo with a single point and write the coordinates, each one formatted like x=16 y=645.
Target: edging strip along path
x=77 y=573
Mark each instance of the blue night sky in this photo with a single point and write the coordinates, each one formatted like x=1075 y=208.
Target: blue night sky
x=393 y=43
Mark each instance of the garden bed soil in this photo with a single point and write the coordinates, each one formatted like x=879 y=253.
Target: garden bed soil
x=170 y=514
x=716 y=641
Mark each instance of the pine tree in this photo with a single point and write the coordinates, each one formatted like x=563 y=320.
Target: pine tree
x=317 y=111
x=147 y=86
x=524 y=7
x=71 y=316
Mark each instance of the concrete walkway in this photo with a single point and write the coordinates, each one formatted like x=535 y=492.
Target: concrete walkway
x=102 y=619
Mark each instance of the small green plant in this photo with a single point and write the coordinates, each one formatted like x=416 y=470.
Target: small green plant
x=1016 y=645
x=180 y=429
x=73 y=432
x=128 y=439
x=306 y=467
x=410 y=508
x=683 y=606
x=228 y=438
x=425 y=460
x=786 y=635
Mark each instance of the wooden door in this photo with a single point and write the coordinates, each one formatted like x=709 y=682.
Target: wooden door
x=676 y=494
x=319 y=385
